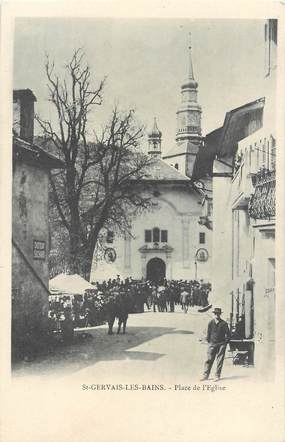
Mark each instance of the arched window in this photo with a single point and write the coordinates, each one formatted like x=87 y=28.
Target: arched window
x=176 y=166
x=155 y=234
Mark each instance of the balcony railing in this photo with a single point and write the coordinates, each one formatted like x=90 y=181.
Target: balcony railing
x=262 y=203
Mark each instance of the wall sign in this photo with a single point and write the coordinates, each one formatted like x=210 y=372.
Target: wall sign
x=110 y=255
x=39 y=249
x=202 y=255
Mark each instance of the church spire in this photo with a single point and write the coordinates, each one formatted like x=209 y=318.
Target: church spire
x=189 y=111
x=190 y=65
x=154 y=141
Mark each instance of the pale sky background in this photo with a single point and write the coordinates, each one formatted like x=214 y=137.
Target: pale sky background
x=146 y=62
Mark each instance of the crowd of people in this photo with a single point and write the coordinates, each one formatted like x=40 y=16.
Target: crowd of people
x=90 y=309
x=162 y=296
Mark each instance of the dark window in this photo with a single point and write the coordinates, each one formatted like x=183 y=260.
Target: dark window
x=273 y=29
x=176 y=166
x=202 y=238
x=210 y=208
x=164 y=236
x=110 y=237
x=155 y=233
x=147 y=235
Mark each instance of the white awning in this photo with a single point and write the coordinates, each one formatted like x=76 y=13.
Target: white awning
x=69 y=285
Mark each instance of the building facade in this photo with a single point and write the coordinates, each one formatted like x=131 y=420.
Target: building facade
x=30 y=228
x=243 y=170
x=168 y=241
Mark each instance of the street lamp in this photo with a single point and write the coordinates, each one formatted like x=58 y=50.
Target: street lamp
x=196 y=266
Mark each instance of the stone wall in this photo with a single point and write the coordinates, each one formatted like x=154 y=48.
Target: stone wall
x=30 y=247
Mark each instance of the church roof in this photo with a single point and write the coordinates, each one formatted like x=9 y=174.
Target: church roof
x=163 y=172
x=179 y=149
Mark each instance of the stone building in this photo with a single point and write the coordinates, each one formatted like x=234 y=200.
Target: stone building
x=242 y=157
x=30 y=225
x=167 y=241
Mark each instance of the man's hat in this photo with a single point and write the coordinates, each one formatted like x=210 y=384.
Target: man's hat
x=217 y=310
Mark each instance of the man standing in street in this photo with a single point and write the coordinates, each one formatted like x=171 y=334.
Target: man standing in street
x=218 y=335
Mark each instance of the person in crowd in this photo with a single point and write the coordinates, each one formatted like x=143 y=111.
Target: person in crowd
x=51 y=322
x=218 y=335
x=184 y=298
x=122 y=311
x=154 y=298
x=161 y=297
x=76 y=311
x=162 y=301
x=58 y=322
x=191 y=297
x=67 y=326
x=171 y=297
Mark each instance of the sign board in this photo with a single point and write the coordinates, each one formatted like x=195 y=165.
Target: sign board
x=39 y=249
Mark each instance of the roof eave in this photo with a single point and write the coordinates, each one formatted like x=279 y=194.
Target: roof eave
x=37 y=154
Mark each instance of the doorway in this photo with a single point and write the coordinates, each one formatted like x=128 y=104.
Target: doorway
x=155 y=270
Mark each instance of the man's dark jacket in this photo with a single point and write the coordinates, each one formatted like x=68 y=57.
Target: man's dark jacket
x=218 y=333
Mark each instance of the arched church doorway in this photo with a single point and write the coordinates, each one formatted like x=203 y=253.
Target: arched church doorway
x=155 y=270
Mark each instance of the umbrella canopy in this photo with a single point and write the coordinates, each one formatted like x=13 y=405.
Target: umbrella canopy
x=69 y=284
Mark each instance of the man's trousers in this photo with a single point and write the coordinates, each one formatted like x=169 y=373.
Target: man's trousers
x=215 y=351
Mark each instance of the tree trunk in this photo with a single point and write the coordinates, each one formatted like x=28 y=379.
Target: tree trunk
x=87 y=264
x=88 y=252
x=74 y=250
x=74 y=240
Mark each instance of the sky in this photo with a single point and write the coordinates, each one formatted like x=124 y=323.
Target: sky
x=145 y=61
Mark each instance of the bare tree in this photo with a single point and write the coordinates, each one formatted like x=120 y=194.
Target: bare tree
x=94 y=191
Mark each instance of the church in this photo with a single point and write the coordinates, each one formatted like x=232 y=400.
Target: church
x=169 y=241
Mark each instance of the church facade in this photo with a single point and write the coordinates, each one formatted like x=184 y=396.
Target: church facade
x=168 y=241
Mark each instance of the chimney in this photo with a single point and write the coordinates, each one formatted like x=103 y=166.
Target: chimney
x=23 y=114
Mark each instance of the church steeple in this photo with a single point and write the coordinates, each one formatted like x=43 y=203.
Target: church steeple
x=190 y=64
x=189 y=112
x=154 y=141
